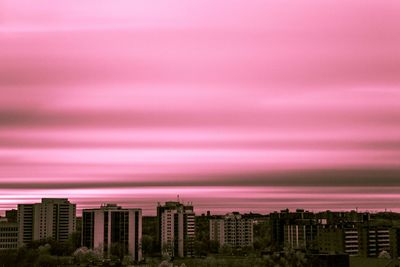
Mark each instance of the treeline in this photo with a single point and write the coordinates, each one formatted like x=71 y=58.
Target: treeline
x=43 y=253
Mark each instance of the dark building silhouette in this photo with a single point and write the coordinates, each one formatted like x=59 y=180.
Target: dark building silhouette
x=351 y=233
x=12 y=215
x=339 y=239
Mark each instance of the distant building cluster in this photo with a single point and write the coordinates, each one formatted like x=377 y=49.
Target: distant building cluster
x=352 y=233
x=111 y=229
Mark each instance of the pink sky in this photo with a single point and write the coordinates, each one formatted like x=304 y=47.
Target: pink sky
x=238 y=105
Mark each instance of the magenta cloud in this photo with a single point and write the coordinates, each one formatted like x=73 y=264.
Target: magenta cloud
x=260 y=105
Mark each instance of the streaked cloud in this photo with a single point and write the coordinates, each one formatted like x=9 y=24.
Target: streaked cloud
x=202 y=99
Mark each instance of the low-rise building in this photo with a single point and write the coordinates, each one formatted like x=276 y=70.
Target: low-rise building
x=8 y=235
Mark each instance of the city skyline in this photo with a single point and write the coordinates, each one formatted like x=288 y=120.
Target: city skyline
x=151 y=211
x=255 y=106
x=111 y=233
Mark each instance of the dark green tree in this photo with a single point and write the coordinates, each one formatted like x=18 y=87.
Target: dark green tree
x=147 y=245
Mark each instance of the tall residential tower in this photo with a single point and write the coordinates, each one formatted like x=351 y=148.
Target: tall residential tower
x=113 y=230
x=176 y=229
x=53 y=218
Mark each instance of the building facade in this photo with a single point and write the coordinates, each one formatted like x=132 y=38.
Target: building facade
x=339 y=239
x=293 y=229
x=374 y=240
x=176 y=229
x=52 y=218
x=8 y=235
x=300 y=234
x=113 y=230
x=232 y=230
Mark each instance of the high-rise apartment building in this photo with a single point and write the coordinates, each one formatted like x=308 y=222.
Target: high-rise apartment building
x=374 y=240
x=357 y=240
x=176 y=229
x=232 y=230
x=293 y=229
x=113 y=230
x=8 y=231
x=339 y=239
x=52 y=218
x=300 y=234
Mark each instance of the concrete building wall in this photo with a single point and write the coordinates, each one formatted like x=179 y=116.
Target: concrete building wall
x=176 y=229
x=217 y=231
x=233 y=230
x=102 y=237
x=98 y=233
x=52 y=218
x=8 y=235
x=25 y=223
